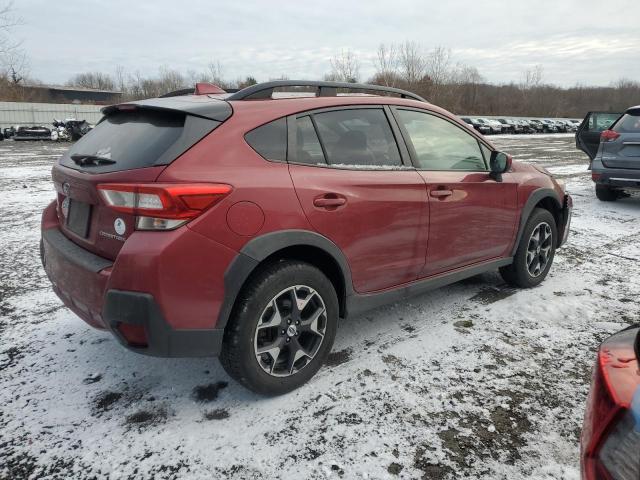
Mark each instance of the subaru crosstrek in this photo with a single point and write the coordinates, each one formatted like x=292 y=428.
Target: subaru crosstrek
x=245 y=226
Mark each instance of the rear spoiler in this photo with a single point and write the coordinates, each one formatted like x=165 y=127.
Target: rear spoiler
x=198 y=105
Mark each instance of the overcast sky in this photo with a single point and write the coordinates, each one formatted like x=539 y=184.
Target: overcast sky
x=577 y=41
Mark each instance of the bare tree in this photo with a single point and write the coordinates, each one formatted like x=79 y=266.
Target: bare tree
x=120 y=78
x=532 y=78
x=215 y=74
x=387 y=62
x=412 y=62
x=345 y=67
x=438 y=65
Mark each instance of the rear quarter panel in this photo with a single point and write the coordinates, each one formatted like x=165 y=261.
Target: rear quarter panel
x=262 y=187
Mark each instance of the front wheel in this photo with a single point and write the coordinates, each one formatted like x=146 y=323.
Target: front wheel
x=282 y=328
x=535 y=252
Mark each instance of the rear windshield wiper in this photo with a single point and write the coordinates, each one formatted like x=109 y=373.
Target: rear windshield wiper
x=86 y=160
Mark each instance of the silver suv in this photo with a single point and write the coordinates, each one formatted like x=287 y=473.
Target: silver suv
x=615 y=158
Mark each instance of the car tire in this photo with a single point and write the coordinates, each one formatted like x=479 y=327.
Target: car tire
x=534 y=257
x=606 y=194
x=255 y=325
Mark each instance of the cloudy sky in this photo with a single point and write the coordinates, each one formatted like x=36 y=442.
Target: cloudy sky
x=576 y=41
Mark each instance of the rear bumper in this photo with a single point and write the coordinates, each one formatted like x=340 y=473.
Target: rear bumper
x=169 y=287
x=624 y=179
x=141 y=310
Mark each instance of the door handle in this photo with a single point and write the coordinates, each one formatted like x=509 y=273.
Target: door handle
x=441 y=193
x=329 y=201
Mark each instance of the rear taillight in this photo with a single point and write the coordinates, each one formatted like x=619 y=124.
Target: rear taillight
x=609 y=136
x=595 y=176
x=611 y=433
x=162 y=206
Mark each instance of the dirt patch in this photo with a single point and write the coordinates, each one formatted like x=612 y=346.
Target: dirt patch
x=208 y=393
x=431 y=471
x=13 y=354
x=338 y=358
x=217 y=414
x=105 y=400
x=463 y=324
x=490 y=295
x=92 y=379
x=147 y=417
x=392 y=360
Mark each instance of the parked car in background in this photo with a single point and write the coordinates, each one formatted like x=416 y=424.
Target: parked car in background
x=480 y=127
x=507 y=125
x=494 y=126
x=560 y=126
x=570 y=126
x=32 y=133
x=9 y=132
x=271 y=219
x=548 y=126
x=526 y=126
x=537 y=125
x=612 y=142
x=610 y=440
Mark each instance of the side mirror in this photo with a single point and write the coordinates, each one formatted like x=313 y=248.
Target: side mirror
x=499 y=164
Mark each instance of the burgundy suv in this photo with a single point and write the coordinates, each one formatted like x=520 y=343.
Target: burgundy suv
x=246 y=226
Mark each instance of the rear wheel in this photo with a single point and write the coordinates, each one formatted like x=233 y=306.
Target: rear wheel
x=535 y=252
x=606 y=194
x=282 y=328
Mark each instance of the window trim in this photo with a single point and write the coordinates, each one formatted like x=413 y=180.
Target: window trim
x=411 y=149
x=405 y=159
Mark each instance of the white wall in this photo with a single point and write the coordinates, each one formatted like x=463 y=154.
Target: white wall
x=22 y=113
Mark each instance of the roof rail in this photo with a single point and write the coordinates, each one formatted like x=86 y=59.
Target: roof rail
x=324 y=89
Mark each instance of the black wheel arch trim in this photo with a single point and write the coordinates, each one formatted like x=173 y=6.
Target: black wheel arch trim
x=534 y=198
x=262 y=247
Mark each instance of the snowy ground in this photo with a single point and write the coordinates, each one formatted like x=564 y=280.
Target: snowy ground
x=475 y=379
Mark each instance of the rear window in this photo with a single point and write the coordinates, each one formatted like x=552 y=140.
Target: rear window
x=270 y=140
x=137 y=139
x=629 y=123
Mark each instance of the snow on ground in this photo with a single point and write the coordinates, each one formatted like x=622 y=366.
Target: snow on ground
x=477 y=379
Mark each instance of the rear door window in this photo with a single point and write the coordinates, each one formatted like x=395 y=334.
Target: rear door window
x=270 y=140
x=358 y=137
x=136 y=139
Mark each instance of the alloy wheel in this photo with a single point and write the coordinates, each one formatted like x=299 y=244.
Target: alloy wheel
x=539 y=249
x=290 y=331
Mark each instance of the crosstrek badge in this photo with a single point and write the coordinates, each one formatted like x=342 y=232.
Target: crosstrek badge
x=119 y=226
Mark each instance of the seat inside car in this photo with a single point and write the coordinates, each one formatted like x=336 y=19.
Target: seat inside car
x=352 y=145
